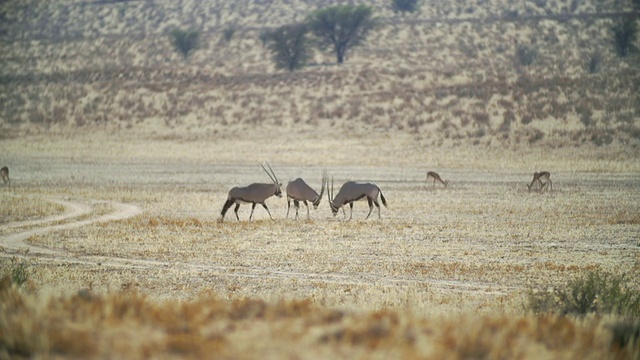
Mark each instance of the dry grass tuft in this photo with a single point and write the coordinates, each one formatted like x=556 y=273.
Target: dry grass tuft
x=21 y=208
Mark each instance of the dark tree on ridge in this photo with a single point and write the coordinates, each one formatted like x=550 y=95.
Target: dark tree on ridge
x=341 y=27
x=290 y=46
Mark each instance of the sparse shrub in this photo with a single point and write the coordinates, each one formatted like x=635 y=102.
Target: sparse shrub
x=405 y=6
x=593 y=62
x=626 y=337
x=585 y=116
x=264 y=37
x=17 y=272
x=526 y=55
x=595 y=292
x=535 y=136
x=624 y=35
x=184 y=41
x=228 y=32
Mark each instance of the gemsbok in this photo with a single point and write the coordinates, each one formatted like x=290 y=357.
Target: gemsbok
x=4 y=174
x=255 y=193
x=353 y=191
x=298 y=190
x=433 y=175
x=542 y=179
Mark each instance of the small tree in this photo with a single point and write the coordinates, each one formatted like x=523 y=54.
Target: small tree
x=342 y=27
x=624 y=34
x=405 y=6
x=184 y=41
x=290 y=46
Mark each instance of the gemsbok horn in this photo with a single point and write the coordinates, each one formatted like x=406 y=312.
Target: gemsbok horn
x=434 y=175
x=298 y=190
x=254 y=194
x=353 y=191
x=543 y=180
x=4 y=174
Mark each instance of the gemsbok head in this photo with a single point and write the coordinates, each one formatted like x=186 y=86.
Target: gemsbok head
x=253 y=194
x=4 y=174
x=353 y=191
x=298 y=190
x=543 y=180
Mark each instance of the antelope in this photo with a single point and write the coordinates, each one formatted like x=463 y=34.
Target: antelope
x=436 y=177
x=298 y=190
x=352 y=191
x=255 y=193
x=4 y=174
x=542 y=179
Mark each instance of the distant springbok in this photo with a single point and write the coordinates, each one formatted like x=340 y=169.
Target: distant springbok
x=352 y=191
x=4 y=174
x=433 y=175
x=254 y=194
x=298 y=190
x=542 y=179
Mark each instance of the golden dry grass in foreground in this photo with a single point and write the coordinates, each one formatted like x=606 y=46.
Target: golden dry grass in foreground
x=444 y=274
x=129 y=325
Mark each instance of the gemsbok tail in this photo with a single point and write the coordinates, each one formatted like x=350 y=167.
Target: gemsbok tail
x=226 y=206
x=384 y=201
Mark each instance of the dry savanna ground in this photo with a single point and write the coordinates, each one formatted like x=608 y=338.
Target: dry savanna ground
x=121 y=154
x=444 y=273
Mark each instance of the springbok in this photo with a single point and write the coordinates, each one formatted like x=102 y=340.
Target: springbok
x=542 y=179
x=4 y=174
x=298 y=190
x=352 y=191
x=255 y=193
x=436 y=177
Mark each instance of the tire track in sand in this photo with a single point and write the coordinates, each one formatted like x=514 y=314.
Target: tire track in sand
x=19 y=247
x=17 y=241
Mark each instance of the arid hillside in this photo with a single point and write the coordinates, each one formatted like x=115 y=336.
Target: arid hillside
x=469 y=72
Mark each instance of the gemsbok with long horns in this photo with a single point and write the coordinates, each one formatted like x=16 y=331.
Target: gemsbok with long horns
x=4 y=174
x=255 y=193
x=353 y=191
x=541 y=178
x=434 y=175
x=298 y=190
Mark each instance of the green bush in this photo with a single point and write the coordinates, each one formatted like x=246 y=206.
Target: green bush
x=526 y=55
x=228 y=32
x=595 y=292
x=184 y=41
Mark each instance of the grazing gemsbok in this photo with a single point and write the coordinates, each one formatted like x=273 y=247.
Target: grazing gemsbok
x=433 y=175
x=352 y=191
x=298 y=190
x=542 y=179
x=4 y=174
x=255 y=194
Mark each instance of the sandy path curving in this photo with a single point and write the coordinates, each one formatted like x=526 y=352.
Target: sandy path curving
x=16 y=241
x=73 y=210
x=16 y=245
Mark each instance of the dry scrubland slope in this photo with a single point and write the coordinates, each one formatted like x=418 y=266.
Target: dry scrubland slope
x=450 y=74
